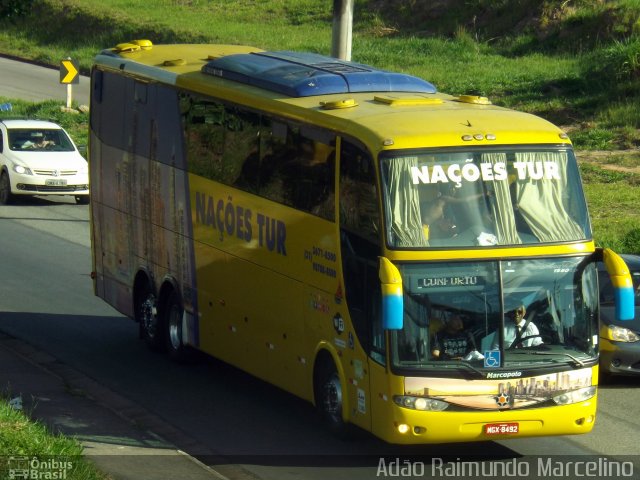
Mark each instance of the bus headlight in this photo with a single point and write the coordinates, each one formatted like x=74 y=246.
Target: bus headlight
x=575 y=396
x=420 y=403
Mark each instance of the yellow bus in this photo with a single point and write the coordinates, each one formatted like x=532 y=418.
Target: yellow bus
x=415 y=264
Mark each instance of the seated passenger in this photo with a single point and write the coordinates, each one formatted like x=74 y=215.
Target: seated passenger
x=453 y=343
x=40 y=143
x=434 y=225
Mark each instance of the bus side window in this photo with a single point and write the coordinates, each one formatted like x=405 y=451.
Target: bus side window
x=204 y=135
x=219 y=140
x=358 y=200
x=296 y=170
x=312 y=188
x=241 y=142
x=277 y=149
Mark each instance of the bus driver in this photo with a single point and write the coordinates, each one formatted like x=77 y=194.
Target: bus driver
x=519 y=332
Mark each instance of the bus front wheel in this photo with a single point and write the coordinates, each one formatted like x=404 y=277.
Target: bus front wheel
x=329 y=395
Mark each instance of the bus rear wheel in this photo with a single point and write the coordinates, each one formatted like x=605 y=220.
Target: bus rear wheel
x=172 y=321
x=147 y=316
x=329 y=395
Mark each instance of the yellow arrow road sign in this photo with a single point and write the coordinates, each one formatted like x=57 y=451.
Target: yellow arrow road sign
x=69 y=71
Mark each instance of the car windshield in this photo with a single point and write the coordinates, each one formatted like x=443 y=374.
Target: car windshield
x=39 y=140
x=497 y=313
x=482 y=198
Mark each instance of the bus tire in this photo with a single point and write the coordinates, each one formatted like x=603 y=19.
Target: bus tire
x=328 y=395
x=146 y=313
x=172 y=321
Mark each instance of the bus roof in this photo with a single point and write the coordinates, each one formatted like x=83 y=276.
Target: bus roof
x=387 y=109
x=306 y=74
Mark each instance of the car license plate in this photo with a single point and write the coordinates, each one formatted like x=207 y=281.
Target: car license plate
x=501 y=428
x=56 y=183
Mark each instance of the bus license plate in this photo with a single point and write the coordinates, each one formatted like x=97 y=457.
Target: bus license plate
x=501 y=428
x=56 y=183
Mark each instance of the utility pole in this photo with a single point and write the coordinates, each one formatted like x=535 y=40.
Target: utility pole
x=342 y=28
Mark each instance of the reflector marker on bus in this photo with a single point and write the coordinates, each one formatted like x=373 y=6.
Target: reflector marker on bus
x=178 y=62
x=338 y=104
x=126 y=47
x=297 y=74
x=475 y=99
x=478 y=136
x=143 y=43
x=407 y=101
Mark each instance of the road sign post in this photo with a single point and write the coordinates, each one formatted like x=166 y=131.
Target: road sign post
x=69 y=74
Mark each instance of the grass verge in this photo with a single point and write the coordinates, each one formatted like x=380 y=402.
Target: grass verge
x=574 y=63
x=29 y=450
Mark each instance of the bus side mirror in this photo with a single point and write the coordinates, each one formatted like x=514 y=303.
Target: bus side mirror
x=622 y=284
x=392 y=297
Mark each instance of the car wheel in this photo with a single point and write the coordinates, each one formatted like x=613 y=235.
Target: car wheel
x=6 y=197
x=172 y=320
x=82 y=199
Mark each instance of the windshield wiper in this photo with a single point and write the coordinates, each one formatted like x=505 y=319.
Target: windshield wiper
x=577 y=361
x=462 y=363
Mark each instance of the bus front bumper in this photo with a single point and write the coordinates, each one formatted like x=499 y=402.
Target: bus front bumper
x=416 y=427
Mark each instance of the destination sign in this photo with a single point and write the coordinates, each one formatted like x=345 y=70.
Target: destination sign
x=450 y=281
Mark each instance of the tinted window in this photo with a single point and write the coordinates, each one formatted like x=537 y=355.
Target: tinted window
x=358 y=199
x=261 y=155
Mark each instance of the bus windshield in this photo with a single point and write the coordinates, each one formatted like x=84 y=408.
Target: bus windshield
x=532 y=312
x=464 y=199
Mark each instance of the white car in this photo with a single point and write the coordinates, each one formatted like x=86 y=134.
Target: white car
x=39 y=158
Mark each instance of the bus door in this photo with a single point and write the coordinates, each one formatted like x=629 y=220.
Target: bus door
x=360 y=248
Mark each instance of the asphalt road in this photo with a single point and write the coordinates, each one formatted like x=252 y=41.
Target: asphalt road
x=46 y=299
x=34 y=83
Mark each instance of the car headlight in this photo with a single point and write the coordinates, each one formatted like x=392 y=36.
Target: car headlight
x=22 y=170
x=575 y=396
x=620 y=334
x=420 y=403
